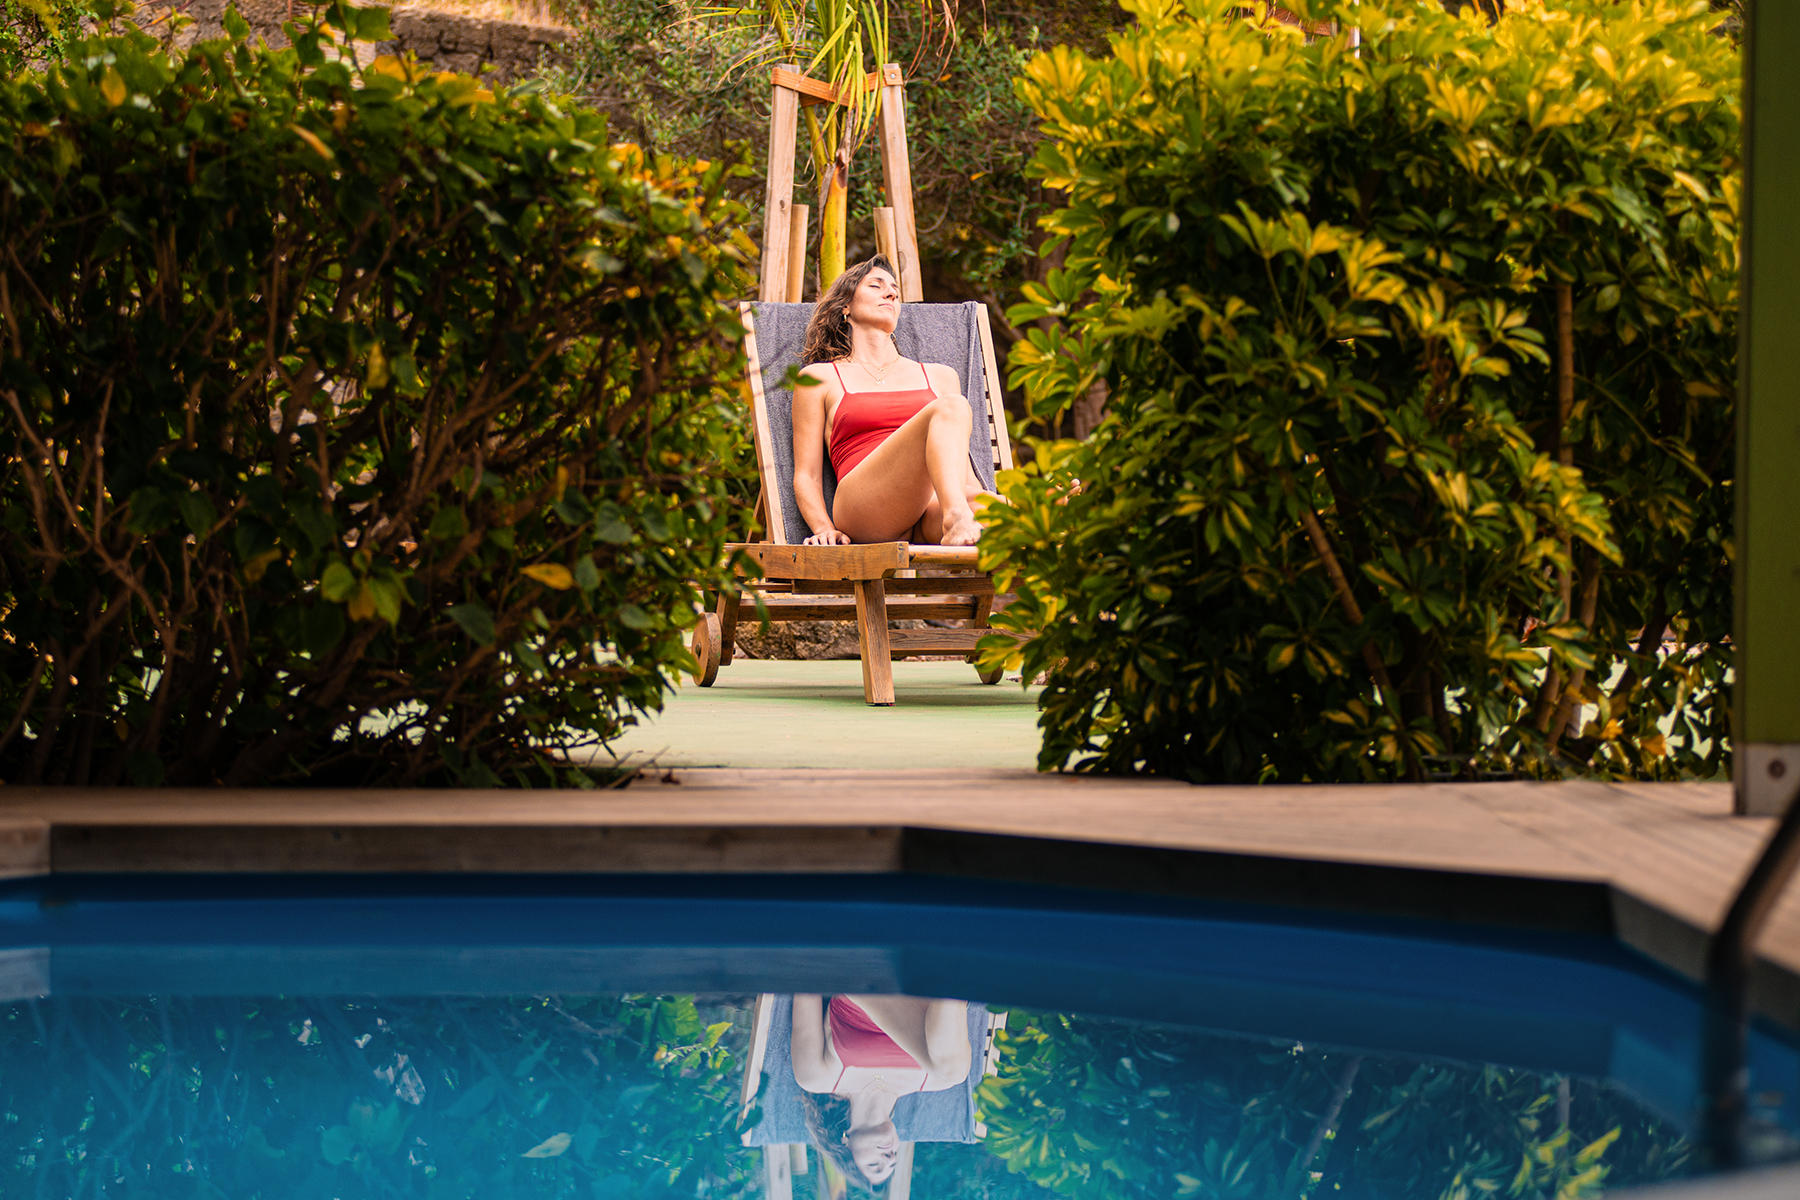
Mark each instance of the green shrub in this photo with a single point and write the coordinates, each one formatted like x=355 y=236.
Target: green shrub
x=360 y=426
x=1327 y=531
x=33 y=31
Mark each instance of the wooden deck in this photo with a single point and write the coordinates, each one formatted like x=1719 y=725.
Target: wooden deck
x=1654 y=865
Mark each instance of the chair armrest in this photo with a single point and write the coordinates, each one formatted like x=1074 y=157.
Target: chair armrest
x=872 y=561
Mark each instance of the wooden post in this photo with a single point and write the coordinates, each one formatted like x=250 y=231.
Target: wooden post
x=885 y=235
x=896 y=173
x=784 y=128
x=1765 y=747
x=900 y=1182
x=872 y=640
x=796 y=264
x=779 y=1173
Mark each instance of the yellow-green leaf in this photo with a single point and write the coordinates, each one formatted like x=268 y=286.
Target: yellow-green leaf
x=553 y=575
x=312 y=139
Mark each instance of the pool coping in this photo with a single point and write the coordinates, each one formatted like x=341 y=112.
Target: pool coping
x=1652 y=865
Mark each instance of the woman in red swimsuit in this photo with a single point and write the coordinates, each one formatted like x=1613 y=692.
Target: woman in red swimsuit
x=897 y=430
x=855 y=1057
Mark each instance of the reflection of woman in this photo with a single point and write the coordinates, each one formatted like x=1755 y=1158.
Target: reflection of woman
x=855 y=1057
x=897 y=430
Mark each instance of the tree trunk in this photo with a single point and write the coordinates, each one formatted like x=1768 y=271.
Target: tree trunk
x=834 y=211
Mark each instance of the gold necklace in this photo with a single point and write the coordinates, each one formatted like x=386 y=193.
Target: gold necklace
x=878 y=376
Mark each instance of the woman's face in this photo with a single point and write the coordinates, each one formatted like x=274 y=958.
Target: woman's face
x=875 y=304
x=876 y=1149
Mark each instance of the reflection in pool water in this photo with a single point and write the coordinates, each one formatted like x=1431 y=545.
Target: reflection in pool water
x=517 y=1039
x=638 y=1095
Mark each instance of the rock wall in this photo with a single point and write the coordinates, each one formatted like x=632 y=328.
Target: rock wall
x=451 y=42
x=448 y=41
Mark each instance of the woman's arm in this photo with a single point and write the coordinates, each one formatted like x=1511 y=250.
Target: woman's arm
x=814 y=1068
x=944 y=380
x=809 y=459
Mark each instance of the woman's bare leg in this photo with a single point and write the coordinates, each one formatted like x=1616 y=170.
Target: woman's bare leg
x=930 y=529
x=934 y=1032
x=886 y=494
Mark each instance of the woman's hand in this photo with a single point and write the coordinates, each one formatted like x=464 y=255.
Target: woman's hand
x=828 y=537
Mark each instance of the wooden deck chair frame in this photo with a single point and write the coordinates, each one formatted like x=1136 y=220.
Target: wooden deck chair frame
x=811 y=583
x=782 y=1162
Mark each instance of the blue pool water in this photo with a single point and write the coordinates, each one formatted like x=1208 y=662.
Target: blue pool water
x=512 y=1037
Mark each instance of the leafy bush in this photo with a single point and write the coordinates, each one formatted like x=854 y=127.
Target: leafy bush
x=360 y=424
x=1338 y=524
x=1103 y=1110
x=32 y=31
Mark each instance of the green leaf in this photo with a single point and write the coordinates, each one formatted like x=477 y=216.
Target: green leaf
x=389 y=596
x=151 y=510
x=197 y=512
x=338 y=584
x=476 y=620
x=449 y=523
x=609 y=525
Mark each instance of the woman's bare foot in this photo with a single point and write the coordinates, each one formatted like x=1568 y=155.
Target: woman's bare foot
x=961 y=529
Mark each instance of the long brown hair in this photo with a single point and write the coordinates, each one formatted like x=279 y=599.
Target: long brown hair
x=828 y=335
x=827 y=1119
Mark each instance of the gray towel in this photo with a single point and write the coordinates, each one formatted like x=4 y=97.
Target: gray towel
x=946 y=1116
x=934 y=333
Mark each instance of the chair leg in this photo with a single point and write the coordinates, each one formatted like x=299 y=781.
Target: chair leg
x=872 y=640
x=728 y=615
x=984 y=606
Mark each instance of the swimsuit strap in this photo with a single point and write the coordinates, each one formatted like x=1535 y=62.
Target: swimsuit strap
x=840 y=1078
x=841 y=386
x=927 y=375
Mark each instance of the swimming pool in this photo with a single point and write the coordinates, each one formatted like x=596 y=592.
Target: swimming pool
x=509 y=1037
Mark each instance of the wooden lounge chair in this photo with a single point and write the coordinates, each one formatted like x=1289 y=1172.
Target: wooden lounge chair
x=783 y=1159
x=805 y=583
x=808 y=583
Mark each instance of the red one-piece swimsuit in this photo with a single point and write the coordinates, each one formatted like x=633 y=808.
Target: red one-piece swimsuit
x=860 y=1042
x=864 y=420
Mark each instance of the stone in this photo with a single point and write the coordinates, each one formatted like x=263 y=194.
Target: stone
x=500 y=51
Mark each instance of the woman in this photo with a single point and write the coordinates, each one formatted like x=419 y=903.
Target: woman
x=855 y=1057
x=897 y=430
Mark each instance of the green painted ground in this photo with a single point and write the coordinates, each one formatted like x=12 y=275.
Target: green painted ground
x=811 y=714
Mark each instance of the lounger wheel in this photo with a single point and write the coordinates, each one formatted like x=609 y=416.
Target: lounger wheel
x=708 y=637
x=992 y=676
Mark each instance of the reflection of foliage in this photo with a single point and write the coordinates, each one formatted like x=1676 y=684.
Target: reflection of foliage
x=458 y=1098
x=1097 y=1109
